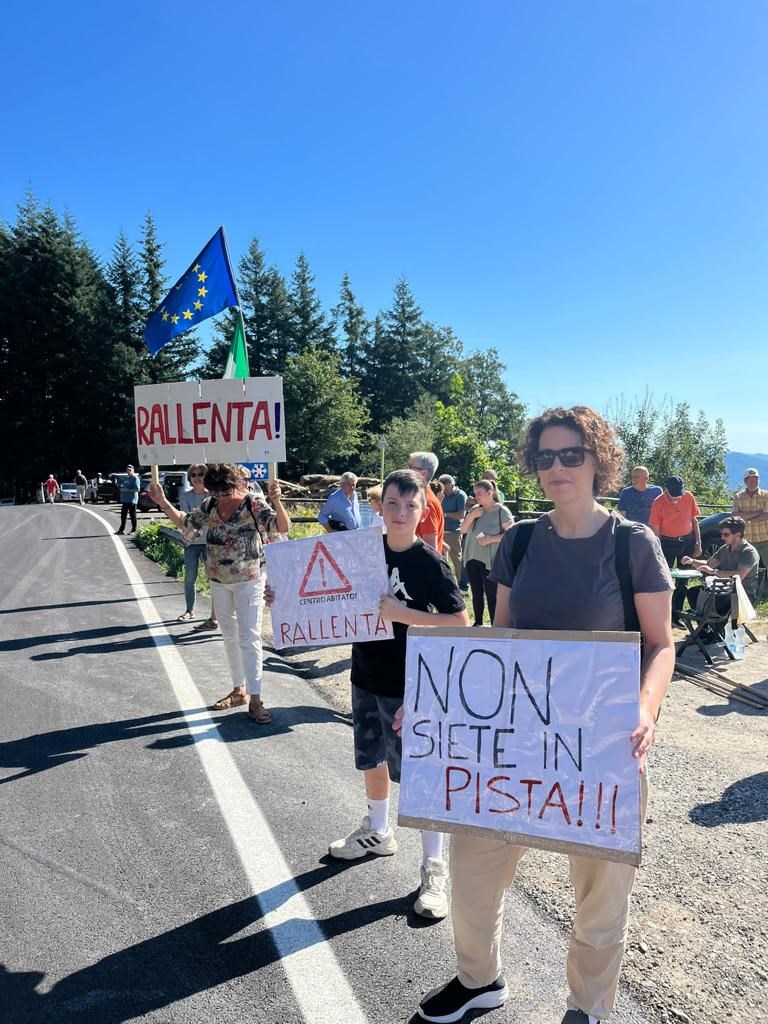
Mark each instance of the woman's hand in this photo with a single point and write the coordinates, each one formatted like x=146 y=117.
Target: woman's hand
x=274 y=490
x=397 y=725
x=643 y=737
x=269 y=596
x=392 y=610
x=686 y=560
x=156 y=493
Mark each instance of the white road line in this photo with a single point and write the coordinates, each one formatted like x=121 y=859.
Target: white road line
x=317 y=980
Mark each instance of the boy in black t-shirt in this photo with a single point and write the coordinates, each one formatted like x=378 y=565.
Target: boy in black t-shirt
x=419 y=579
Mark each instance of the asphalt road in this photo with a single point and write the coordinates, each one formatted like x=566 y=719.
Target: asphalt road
x=163 y=865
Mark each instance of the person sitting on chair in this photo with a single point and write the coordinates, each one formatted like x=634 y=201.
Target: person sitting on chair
x=735 y=557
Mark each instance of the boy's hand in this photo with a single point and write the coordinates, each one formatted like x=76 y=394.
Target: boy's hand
x=269 y=596
x=397 y=725
x=392 y=610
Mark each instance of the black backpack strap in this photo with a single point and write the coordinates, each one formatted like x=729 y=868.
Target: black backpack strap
x=523 y=531
x=621 y=555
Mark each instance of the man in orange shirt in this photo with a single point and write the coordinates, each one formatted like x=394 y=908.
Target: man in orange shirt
x=673 y=520
x=432 y=526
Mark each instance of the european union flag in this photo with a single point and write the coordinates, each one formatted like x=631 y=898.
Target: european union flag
x=206 y=288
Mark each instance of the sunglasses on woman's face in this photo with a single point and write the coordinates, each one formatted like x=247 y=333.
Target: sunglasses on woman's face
x=195 y=474
x=571 y=457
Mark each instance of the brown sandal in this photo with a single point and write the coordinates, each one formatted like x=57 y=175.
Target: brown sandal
x=259 y=714
x=232 y=700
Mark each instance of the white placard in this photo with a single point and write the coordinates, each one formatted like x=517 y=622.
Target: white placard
x=524 y=735
x=210 y=421
x=327 y=589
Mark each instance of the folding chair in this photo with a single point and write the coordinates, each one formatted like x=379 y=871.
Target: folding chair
x=707 y=616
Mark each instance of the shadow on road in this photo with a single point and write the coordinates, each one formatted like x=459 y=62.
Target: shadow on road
x=38 y=753
x=745 y=801
x=73 y=604
x=236 y=726
x=196 y=956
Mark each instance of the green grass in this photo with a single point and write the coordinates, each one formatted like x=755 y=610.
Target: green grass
x=169 y=555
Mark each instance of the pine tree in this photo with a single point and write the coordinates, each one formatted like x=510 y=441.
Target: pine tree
x=355 y=329
x=175 y=360
x=392 y=370
x=309 y=325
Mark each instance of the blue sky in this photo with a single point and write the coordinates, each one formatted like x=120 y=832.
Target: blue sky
x=581 y=185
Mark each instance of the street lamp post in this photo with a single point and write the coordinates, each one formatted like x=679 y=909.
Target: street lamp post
x=381 y=444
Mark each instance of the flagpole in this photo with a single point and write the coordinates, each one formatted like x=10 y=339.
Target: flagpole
x=272 y=465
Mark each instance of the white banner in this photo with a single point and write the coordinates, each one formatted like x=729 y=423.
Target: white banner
x=327 y=589
x=210 y=421
x=524 y=736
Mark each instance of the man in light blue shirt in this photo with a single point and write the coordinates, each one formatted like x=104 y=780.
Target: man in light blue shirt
x=342 y=510
x=635 y=501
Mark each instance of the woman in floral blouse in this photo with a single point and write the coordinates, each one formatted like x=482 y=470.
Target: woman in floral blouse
x=238 y=527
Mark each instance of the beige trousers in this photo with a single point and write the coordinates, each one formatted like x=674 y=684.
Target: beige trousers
x=453 y=540
x=481 y=871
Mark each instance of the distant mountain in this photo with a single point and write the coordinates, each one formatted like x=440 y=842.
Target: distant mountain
x=737 y=462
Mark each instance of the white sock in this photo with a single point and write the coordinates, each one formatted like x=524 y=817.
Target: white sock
x=378 y=812
x=431 y=846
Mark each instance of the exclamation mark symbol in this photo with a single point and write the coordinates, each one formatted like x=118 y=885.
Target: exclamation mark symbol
x=579 y=820
x=613 y=808
x=599 y=803
x=277 y=419
x=322 y=572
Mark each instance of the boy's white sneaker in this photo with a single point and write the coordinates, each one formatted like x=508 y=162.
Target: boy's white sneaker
x=363 y=841
x=432 y=900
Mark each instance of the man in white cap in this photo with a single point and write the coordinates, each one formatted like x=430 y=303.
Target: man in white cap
x=752 y=505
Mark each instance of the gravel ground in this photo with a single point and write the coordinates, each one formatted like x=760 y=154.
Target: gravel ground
x=698 y=942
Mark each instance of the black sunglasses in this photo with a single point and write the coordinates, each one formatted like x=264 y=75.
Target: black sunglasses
x=569 y=457
x=196 y=474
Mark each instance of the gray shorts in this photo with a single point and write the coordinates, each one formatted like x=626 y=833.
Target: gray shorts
x=375 y=739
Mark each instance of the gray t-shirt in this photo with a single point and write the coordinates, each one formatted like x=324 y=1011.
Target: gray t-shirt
x=188 y=502
x=572 y=584
x=745 y=554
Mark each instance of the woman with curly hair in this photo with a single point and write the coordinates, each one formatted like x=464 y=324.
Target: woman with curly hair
x=566 y=579
x=237 y=527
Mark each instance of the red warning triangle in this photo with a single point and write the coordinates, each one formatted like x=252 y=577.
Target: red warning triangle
x=323 y=575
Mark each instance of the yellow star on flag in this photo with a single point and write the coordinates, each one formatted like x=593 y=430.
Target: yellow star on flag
x=165 y=316
x=202 y=277
x=202 y=291
x=187 y=315
x=195 y=268
x=198 y=305
x=174 y=319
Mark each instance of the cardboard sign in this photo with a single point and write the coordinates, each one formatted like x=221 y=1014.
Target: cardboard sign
x=210 y=421
x=523 y=735
x=327 y=589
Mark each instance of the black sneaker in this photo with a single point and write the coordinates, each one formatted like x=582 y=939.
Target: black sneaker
x=450 y=1002
x=578 y=1017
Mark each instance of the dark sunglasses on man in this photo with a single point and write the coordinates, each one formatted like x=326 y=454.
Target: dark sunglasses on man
x=570 y=458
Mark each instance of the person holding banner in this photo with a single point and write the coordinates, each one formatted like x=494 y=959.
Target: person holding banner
x=236 y=531
x=420 y=579
x=565 y=572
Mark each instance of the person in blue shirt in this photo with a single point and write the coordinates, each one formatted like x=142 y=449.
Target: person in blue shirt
x=635 y=501
x=130 y=485
x=342 y=510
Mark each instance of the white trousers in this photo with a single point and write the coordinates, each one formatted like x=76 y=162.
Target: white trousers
x=239 y=608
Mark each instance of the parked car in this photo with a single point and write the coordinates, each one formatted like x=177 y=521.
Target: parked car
x=174 y=482
x=68 y=492
x=710 y=533
x=106 y=488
